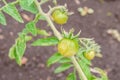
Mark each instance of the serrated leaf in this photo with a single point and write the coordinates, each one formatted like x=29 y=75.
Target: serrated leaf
x=13 y=12
x=42 y=32
x=2 y=19
x=46 y=41
x=30 y=2
x=103 y=74
x=65 y=60
x=86 y=69
x=28 y=38
x=54 y=58
x=20 y=49
x=62 y=68
x=31 y=28
x=25 y=6
x=71 y=76
x=12 y=52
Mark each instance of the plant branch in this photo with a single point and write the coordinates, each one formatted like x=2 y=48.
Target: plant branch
x=77 y=66
x=14 y=2
x=4 y=1
x=56 y=32
x=59 y=36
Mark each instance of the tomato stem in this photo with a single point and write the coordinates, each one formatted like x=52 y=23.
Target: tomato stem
x=77 y=66
x=56 y=32
x=59 y=36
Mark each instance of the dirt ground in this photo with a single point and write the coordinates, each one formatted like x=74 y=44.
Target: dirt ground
x=92 y=26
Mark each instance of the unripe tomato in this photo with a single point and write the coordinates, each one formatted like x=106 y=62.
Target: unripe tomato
x=68 y=47
x=59 y=17
x=90 y=55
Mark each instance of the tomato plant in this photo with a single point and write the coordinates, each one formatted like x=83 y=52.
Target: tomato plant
x=71 y=48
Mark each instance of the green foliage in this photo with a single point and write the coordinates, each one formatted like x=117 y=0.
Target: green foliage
x=46 y=41
x=17 y=50
x=31 y=28
x=13 y=12
x=54 y=58
x=71 y=76
x=42 y=32
x=62 y=68
x=31 y=7
x=2 y=19
x=86 y=69
x=12 y=52
x=30 y=2
x=65 y=60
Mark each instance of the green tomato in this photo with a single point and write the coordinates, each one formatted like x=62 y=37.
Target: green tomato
x=59 y=17
x=90 y=55
x=68 y=47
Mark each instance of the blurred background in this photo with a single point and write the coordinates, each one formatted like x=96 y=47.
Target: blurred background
x=103 y=25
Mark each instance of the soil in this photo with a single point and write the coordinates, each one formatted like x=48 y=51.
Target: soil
x=92 y=26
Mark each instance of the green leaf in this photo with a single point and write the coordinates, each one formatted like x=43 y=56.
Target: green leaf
x=71 y=76
x=2 y=19
x=13 y=12
x=17 y=51
x=65 y=60
x=62 y=68
x=25 y=6
x=30 y=2
x=12 y=52
x=20 y=49
x=86 y=69
x=42 y=32
x=28 y=38
x=103 y=74
x=54 y=58
x=46 y=41
x=31 y=28
x=41 y=17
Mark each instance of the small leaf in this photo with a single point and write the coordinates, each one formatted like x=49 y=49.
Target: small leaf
x=12 y=52
x=103 y=74
x=20 y=49
x=54 y=58
x=86 y=69
x=31 y=28
x=2 y=19
x=25 y=6
x=46 y=41
x=42 y=32
x=13 y=12
x=62 y=68
x=65 y=60
x=71 y=76
x=28 y=38
x=30 y=2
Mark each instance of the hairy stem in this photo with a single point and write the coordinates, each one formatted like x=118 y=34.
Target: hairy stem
x=4 y=1
x=77 y=66
x=59 y=36
x=56 y=32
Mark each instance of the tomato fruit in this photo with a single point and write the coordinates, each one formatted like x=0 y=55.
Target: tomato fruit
x=90 y=55
x=68 y=47
x=59 y=17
